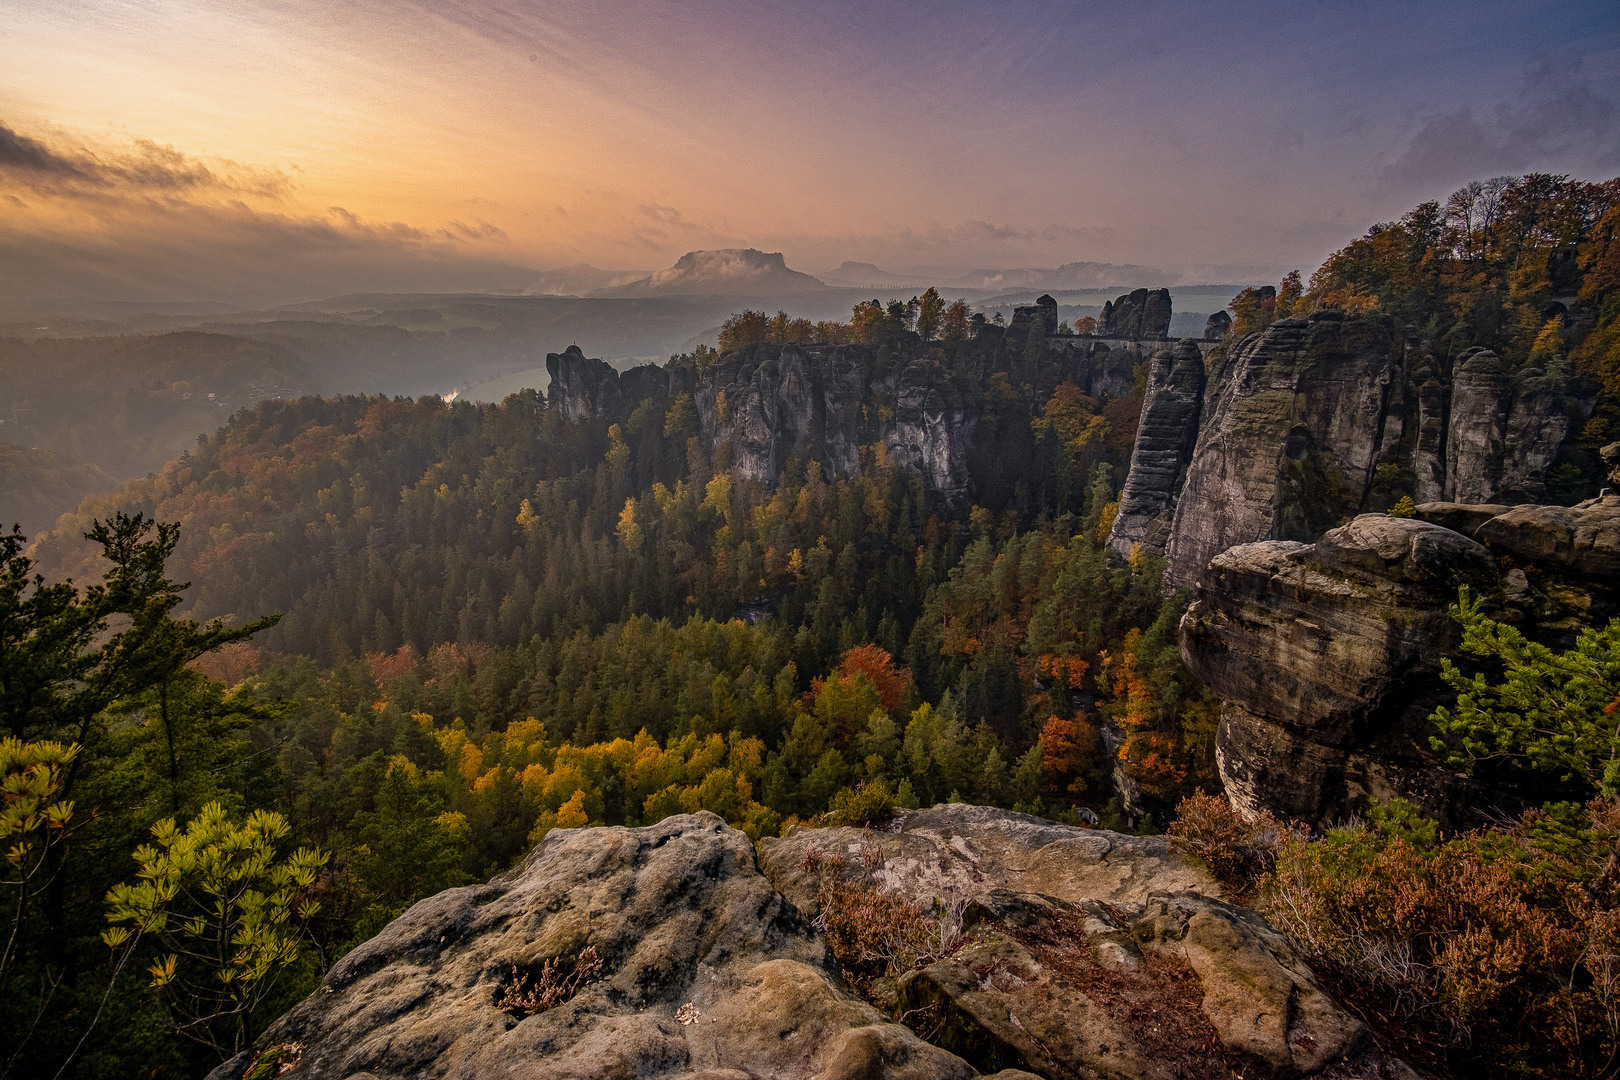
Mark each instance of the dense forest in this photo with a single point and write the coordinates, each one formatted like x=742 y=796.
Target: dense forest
x=421 y=634
x=495 y=621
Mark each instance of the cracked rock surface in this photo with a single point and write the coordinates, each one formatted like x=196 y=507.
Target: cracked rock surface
x=955 y=852
x=680 y=916
x=1082 y=954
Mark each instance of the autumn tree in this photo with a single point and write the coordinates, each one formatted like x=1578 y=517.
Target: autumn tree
x=930 y=310
x=743 y=329
x=877 y=665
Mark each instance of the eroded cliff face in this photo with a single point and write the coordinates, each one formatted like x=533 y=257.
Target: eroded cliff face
x=1327 y=655
x=1315 y=420
x=1164 y=445
x=838 y=405
x=1289 y=440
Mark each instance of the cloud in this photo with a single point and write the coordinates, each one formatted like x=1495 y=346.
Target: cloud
x=1557 y=119
x=150 y=223
x=145 y=168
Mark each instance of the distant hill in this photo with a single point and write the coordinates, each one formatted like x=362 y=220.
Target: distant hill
x=581 y=279
x=1075 y=275
x=862 y=275
x=36 y=486
x=724 y=271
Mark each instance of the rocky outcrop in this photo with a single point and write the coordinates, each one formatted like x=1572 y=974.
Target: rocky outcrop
x=1092 y=989
x=707 y=971
x=1085 y=953
x=1144 y=313
x=1217 y=326
x=1164 y=444
x=1430 y=400
x=1043 y=311
x=760 y=406
x=1289 y=440
x=955 y=852
x=824 y=403
x=582 y=387
x=1315 y=420
x=1327 y=654
x=1112 y=958
x=1481 y=396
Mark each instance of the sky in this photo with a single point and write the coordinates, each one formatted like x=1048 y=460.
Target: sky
x=282 y=150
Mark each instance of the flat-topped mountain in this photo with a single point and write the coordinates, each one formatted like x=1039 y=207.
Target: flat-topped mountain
x=736 y=271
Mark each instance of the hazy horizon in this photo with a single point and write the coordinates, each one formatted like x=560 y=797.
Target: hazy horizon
x=263 y=154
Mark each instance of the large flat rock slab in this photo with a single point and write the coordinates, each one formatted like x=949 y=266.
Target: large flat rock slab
x=706 y=970
x=955 y=852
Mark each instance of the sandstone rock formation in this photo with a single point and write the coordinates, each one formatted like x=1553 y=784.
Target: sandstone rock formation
x=1217 y=326
x=1144 y=313
x=1314 y=420
x=1481 y=396
x=582 y=387
x=1086 y=953
x=682 y=920
x=1289 y=440
x=1164 y=443
x=1043 y=311
x=762 y=405
x=1067 y=953
x=955 y=852
x=1327 y=655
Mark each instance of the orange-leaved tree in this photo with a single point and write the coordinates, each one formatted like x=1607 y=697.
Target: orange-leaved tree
x=877 y=665
x=1149 y=755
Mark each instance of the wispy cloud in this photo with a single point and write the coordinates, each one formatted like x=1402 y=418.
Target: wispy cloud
x=144 y=168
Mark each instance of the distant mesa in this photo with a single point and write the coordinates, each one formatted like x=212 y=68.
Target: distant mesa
x=725 y=271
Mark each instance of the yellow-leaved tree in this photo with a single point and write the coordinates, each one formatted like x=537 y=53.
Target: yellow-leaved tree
x=221 y=902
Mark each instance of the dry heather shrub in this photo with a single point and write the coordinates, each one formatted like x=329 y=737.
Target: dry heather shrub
x=873 y=933
x=1239 y=852
x=1486 y=948
x=554 y=986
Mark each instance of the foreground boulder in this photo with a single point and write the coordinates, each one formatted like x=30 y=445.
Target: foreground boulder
x=1133 y=971
x=705 y=968
x=1086 y=953
x=955 y=852
x=1183 y=986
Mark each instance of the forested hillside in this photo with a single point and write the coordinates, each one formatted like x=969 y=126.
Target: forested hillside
x=496 y=620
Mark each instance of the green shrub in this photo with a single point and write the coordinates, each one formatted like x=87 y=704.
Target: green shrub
x=1406 y=508
x=870 y=803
